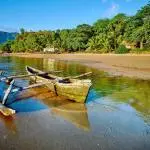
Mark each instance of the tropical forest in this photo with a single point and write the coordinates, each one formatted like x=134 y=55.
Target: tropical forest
x=120 y=34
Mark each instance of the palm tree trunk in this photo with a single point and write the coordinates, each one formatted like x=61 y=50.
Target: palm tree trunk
x=141 y=43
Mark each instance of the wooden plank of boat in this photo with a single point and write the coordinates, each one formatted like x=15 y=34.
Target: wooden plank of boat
x=27 y=87
x=6 y=111
x=41 y=73
x=75 y=77
x=72 y=89
x=24 y=76
x=8 y=91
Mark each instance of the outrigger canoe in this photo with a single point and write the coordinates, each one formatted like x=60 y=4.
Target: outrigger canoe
x=70 y=88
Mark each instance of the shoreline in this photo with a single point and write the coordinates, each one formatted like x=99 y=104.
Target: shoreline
x=128 y=65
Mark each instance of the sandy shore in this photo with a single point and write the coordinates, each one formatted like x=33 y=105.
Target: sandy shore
x=130 y=65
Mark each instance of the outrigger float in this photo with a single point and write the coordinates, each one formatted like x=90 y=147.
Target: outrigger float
x=69 y=87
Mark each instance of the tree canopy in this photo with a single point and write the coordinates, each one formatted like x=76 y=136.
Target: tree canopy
x=105 y=35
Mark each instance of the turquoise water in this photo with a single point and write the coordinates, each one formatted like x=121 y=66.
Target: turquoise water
x=116 y=115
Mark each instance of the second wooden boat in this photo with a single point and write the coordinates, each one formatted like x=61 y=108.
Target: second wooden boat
x=72 y=89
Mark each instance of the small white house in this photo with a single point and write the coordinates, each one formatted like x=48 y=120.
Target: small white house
x=49 y=49
x=130 y=45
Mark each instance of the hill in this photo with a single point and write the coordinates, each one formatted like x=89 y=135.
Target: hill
x=4 y=36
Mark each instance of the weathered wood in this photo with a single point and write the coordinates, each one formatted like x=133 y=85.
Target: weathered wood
x=6 y=111
x=24 y=76
x=28 y=87
x=72 y=89
x=8 y=92
x=82 y=75
x=75 y=77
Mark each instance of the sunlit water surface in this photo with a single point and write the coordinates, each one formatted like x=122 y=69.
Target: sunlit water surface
x=116 y=115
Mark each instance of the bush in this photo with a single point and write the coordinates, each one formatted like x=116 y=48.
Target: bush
x=6 y=47
x=138 y=50
x=121 y=50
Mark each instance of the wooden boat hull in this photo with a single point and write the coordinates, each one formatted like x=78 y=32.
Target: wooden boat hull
x=76 y=90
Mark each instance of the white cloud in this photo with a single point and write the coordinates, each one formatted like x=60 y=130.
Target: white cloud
x=112 y=10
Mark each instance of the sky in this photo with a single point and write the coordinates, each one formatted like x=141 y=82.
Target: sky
x=59 y=14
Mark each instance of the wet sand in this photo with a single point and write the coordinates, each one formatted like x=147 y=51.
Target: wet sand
x=116 y=112
x=129 y=65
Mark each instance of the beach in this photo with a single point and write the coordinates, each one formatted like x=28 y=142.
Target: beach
x=116 y=111
x=128 y=65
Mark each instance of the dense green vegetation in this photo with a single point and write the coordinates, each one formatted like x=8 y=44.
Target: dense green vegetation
x=121 y=34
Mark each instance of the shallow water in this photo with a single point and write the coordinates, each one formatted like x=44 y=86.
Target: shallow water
x=116 y=115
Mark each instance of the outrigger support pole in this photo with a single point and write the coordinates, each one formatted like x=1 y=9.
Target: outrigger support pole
x=8 y=91
x=14 y=90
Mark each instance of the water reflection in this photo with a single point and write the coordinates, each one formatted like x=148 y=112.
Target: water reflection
x=9 y=123
x=117 y=108
x=41 y=98
x=50 y=63
x=75 y=113
x=129 y=91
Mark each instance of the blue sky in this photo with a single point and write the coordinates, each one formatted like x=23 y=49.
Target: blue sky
x=58 y=14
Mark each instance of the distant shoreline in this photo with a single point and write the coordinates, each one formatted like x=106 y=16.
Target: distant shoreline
x=128 y=65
